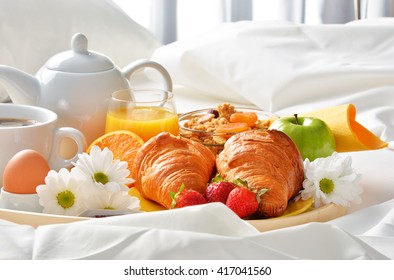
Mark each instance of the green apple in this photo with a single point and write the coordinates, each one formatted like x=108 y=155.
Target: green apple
x=312 y=136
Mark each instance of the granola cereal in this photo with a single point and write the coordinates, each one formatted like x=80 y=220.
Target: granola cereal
x=213 y=127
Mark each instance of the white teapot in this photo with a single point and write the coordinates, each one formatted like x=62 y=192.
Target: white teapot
x=75 y=84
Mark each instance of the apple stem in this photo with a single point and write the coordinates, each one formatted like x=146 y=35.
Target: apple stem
x=296 y=118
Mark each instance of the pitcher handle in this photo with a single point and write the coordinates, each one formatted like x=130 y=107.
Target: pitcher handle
x=56 y=161
x=130 y=69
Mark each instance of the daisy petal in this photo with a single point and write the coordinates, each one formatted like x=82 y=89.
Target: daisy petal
x=342 y=181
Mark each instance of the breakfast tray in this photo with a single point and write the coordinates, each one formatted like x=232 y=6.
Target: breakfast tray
x=322 y=214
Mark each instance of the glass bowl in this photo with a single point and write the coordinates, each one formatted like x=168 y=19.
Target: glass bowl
x=205 y=130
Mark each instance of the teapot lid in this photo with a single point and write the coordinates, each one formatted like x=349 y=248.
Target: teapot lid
x=79 y=59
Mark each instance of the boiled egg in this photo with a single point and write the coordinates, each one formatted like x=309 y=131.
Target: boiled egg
x=24 y=172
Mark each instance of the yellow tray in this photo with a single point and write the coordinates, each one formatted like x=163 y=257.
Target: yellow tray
x=323 y=214
x=36 y=219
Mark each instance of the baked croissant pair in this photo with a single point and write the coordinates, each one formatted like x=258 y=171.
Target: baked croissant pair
x=264 y=158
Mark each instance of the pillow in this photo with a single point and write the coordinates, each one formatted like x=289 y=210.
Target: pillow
x=277 y=65
x=33 y=31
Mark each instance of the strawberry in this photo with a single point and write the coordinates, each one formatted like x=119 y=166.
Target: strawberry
x=243 y=201
x=219 y=191
x=186 y=197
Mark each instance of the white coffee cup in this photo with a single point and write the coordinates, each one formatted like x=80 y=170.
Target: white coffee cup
x=40 y=134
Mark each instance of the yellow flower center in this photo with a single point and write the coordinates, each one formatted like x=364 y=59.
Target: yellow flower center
x=109 y=208
x=101 y=177
x=326 y=185
x=65 y=199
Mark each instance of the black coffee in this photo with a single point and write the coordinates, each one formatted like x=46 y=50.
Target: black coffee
x=10 y=122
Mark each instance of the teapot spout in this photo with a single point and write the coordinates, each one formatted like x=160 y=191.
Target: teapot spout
x=21 y=87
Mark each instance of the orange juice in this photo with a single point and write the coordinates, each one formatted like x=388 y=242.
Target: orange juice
x=144 y=121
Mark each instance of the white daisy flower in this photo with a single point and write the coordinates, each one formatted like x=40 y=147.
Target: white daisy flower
x=331 y=180
x=102 y=169
x=61 y=194
x=109 y=200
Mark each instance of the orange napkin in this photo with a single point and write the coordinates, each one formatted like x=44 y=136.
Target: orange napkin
x=349 y=134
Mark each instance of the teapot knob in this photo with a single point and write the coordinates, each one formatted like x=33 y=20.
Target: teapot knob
x=79 y=43
x=79 y=59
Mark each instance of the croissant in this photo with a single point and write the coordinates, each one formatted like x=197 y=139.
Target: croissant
x=265 y=159
x=165 y=162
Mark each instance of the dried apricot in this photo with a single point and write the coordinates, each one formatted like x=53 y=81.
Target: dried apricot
x=244 y=117
x=232 y=127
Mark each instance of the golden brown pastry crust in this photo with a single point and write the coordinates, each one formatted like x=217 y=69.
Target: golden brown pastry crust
x=165 y=162
x=265 y=159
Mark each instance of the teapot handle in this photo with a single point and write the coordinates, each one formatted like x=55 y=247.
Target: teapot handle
x=130 y=69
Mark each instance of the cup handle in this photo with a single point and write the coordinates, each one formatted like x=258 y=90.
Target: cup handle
x=55 y=160
x=130 y=69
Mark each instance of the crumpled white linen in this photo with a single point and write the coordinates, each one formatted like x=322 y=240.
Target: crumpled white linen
x=377 y=176
x=277 y=65
x=373 y=225
x=16 y=241
x=210 y=231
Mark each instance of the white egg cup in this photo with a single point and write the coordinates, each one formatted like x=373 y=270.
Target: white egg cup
x=20 y=202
